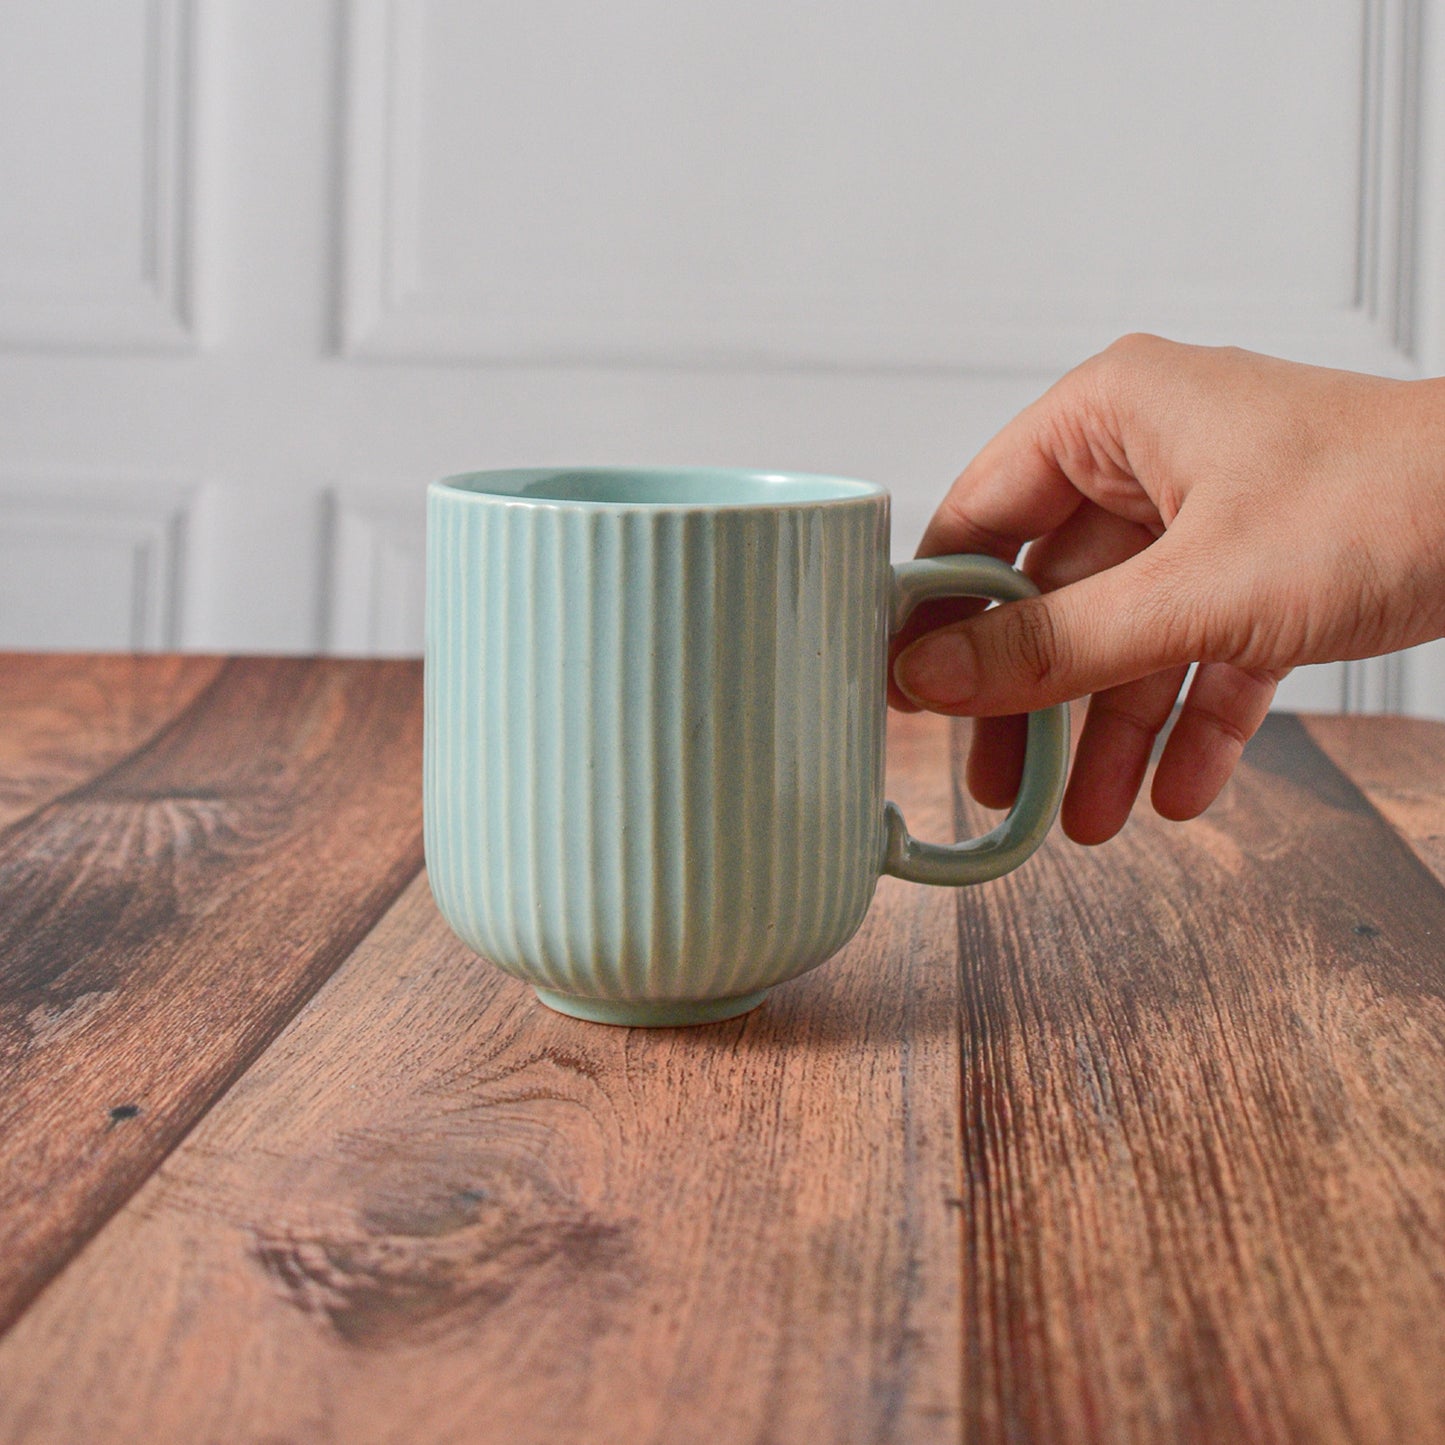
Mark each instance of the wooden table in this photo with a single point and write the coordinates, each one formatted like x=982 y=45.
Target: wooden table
x=1145 y=1142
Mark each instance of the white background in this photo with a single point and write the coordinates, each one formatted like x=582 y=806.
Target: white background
x=266 y=267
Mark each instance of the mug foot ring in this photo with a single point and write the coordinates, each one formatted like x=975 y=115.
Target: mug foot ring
x=664 y=1013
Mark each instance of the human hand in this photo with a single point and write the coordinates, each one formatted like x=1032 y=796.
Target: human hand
x=1182 y=504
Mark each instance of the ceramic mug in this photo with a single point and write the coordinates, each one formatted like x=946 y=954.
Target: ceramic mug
x=654 y=730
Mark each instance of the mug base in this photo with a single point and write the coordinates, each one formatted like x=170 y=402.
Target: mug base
x=663 y=1014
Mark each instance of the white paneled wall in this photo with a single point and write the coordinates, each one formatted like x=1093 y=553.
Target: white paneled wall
x=266 y=266
x=96 y=149
x=110 y=562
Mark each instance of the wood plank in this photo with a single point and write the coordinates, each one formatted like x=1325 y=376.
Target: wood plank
x=434 y=1211
x=1204 y=1126
x=1399 y=765
x=65 y=718
x=160 y=925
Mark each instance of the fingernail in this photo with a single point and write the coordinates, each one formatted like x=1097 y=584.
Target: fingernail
x=937 y=671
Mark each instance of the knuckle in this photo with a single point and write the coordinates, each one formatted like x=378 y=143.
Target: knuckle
x=1115 y=388
x=967 y=534
x=1032 y=641
x=1134 y=353
x=1231 y=701
x=1217 y=720
x=1134 y=343
x=1123 y=708
x=1240 y=698
x=1078 y=443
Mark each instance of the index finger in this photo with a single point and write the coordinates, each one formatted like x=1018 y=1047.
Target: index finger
x=1014 y=490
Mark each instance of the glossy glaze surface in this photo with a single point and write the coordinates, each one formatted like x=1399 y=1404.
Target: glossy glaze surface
x=654 y=744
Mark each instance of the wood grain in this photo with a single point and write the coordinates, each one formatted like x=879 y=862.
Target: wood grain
x=1204 y=1126
x=63 y=719
x=160 y=924
x=1399 y=765
x=434 y=1211
x=1193 y=1187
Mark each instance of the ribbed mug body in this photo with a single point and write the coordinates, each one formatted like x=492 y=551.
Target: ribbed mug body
x=654 y=739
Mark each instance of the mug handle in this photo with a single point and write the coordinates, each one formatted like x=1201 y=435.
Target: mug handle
x=1046 y=759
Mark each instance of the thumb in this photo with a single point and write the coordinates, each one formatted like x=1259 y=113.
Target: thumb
x=1112 y=627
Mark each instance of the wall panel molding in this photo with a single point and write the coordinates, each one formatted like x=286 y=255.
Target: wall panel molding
x=1389 y=171
x=373 y=569
x=1377 y=684
x=81 y=567
x=386 y=311
x=371 y=161
x=154 y=310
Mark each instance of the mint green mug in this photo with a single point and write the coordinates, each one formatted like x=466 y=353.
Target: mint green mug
x=655 y=724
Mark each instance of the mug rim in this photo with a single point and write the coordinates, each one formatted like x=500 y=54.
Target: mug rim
x=496 y=486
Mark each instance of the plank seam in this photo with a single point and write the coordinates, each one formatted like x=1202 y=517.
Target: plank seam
x=147 y=745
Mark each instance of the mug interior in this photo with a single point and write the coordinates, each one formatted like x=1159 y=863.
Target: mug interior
x=662 y=486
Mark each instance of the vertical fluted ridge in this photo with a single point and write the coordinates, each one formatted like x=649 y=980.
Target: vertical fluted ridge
x=653 y=762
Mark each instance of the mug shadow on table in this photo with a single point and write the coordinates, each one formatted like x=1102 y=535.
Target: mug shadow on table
x=843 y=1004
